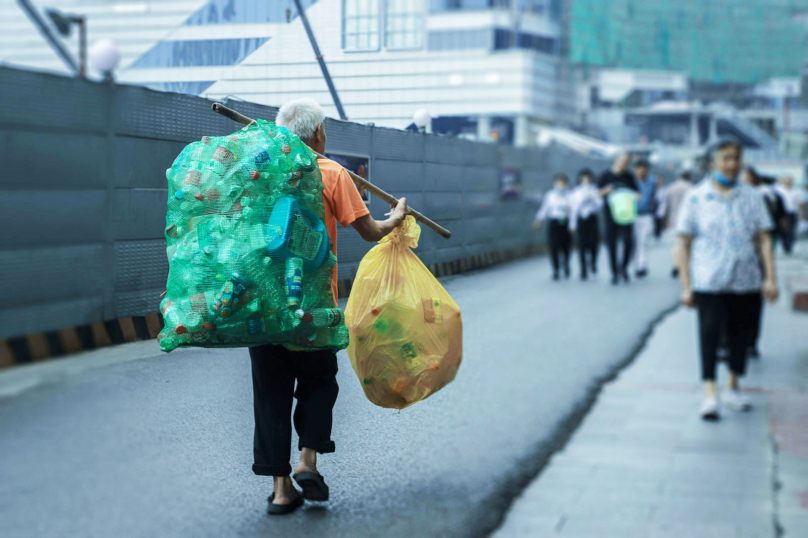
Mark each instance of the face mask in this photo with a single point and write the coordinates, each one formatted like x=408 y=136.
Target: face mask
x=559 y=189
x=720 y=178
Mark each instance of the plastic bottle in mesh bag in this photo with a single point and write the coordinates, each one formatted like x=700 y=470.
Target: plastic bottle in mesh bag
x=246 y=244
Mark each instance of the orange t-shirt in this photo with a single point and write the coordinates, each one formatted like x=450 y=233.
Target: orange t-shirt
x=342 y=203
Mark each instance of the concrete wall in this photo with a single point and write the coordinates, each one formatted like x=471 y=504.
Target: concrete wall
x=83 y=194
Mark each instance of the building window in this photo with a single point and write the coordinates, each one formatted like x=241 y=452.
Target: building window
x=404 y=24
x=360 y=25
x=460 y=39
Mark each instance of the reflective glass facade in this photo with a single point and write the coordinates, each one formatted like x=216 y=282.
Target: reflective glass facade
x=475 y=38
x=720 y=41
x=244 y=11
x=537 y=7
x=199 y=52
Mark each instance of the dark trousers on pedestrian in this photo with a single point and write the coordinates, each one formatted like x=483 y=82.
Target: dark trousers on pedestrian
x=659 y=225
x=588 y=243
x=729 y=313
x=754 y=332
x=790 y=234
x=274 y=371
x=559 y=239
x=624 y=234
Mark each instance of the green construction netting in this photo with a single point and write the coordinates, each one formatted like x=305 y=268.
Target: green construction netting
x=721 y=41
x=249 y=256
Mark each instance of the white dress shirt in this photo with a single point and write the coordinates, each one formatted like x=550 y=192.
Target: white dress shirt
x=792 y=198
x=555 y=206
x=585 y=202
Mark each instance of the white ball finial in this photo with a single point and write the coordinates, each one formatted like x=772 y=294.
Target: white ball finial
x=421 y=118
x=104 y=56
x=545 y=138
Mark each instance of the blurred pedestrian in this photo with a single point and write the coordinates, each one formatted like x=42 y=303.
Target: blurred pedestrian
x=792 y=198
x=723 y=242
x=618 y=177
x=673 y=202
x=660 y=207
x=556 y=208
x=586 y=202
x=777 y=208
x=646 y=206
x=802 y=228
x=749 y=176
x=275 y=369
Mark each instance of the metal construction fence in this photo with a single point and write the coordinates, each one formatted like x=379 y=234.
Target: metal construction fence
x=84 y=193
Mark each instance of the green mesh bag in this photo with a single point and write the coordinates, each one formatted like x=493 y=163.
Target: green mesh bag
x=249 y=257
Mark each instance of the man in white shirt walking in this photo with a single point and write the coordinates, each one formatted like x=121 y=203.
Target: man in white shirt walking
x=556 y=208
x=586 y=202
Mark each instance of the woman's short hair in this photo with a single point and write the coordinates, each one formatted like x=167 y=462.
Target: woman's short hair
x=561 y=177
x=721 y=145
x=302 y=117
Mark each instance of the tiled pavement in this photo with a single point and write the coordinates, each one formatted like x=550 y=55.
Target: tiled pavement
x=642 y=464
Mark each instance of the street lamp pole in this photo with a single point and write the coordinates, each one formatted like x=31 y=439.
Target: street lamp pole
x=82 y=22
x=45 y=30
x=321 y=61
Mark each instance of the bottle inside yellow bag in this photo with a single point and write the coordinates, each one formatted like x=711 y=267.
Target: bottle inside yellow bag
x=406 y=331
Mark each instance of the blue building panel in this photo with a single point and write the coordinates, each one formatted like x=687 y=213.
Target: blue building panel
x=205 y=52
x=245 y=12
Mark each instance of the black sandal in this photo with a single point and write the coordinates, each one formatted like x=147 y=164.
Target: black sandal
x=314 y=487
x=283 y=509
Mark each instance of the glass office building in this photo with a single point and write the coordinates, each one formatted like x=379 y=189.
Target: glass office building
x=476 y=65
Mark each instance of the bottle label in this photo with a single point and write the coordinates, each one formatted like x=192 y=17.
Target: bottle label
x=408 y=351
x=433 y=313
x=193 y=177
x=304 y=241
x=199 y=304
x=222 y=155
x=255 y=326
x=294 y=280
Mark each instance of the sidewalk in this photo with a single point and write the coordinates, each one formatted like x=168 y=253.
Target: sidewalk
x=643 y=464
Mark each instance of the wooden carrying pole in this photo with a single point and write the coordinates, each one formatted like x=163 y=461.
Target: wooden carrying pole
x=368 y=186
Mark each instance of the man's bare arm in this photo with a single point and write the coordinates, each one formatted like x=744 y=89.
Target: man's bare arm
x=373 y=230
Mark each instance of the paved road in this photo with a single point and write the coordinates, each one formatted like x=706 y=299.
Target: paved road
x=132 y=442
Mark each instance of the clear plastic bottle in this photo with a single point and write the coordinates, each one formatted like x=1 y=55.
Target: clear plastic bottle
x=173 y=316
x=321 y=317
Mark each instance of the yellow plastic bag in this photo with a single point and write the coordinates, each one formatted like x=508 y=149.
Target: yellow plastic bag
x=406 y=331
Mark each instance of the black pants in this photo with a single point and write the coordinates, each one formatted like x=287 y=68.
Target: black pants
x=659 y=223
x=588 y=243
x=754 y=332
x=737 y=314
x=274 y=370
x=558 y=236
x=790 y=235
x=624 y=234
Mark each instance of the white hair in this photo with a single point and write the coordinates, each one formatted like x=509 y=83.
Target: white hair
x=302 y=117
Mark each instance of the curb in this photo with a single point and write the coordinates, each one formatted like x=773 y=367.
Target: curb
x=61 y=343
